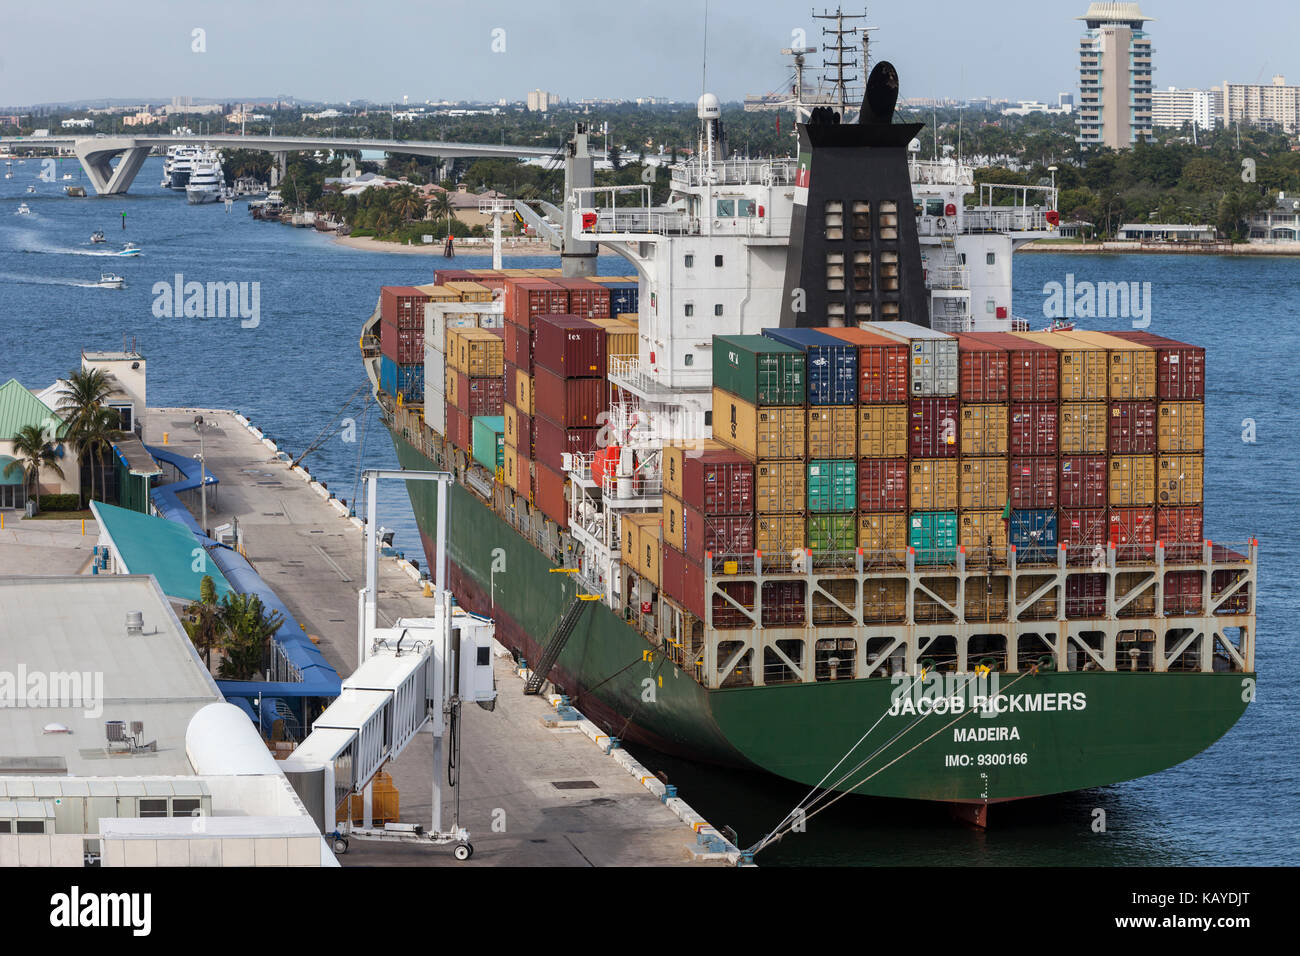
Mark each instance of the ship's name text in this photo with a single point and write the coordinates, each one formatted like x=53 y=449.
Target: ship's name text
x=1001 y=704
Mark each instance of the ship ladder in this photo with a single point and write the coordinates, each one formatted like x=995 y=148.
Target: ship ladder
x=559 y=637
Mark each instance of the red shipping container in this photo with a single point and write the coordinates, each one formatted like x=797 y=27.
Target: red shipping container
x=1180 y=368
x=1033 y=429
x=525 y=299
x=586 y=298
x=1083 y=481
x=1238 y=603
x=554 y=440
x=1133 y=532
x=443 y=276
x=882 y=484
x=1131 y=428
x=718 y=483
x=683 y=582
x=488 y=278
x=932 y=428
x=402 y=306
x=783 y=604
x=482 y=396
x=457 y=428
x=549 y=495
x=1033 y=370
x=510 y=384
x=572 y=402
x=1182 y=531
x=672 y=576
x=1081 y=530
x=523 y=472
x=720 y=534
x=570 y=345
x=524 y=432
x=388 y=340
x=1085 y=595
x=518 y=347
x=1183 y=592
x=1033 y=483
x=883 y=366
x=982 y=370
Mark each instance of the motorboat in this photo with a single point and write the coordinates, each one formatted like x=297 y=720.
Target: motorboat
x=110 y=280
x=97 y=236
x=23 y=210
x=130 y=249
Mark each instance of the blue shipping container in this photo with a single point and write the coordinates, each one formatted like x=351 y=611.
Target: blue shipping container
x=832 y=364
x=623 y=297
x=1033 y=533
x=407 y=379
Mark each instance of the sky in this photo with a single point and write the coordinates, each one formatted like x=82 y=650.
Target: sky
x=444 y=49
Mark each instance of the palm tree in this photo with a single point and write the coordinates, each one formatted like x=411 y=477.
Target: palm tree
x=247 y=641
x=80 y=406
x=32 y=452
x=440 y=205
x=205 y=625
x=96 y=435
x=407 y=203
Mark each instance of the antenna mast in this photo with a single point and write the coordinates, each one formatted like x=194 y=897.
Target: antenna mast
x=844 y=53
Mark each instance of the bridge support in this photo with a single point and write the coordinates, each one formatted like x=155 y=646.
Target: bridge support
x=279 y=168
x=96 y=155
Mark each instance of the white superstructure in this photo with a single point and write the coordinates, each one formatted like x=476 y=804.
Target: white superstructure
x=207 y=179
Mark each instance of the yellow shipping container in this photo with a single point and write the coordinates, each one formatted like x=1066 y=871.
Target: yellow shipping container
x=510 y=423
x=780 y=487
x=1132 y=481
x=882 y=536
x=976 y=529
x=642 y=546
x=1180 y=426
x=882 y=431
x=779 y=534
x=620 y=339
x=439 y=293
x=933 y=484
x=476 y=352
x=1083 y=428
x=674 y=454
x=1132 y=365
x=674 y=528
x=767 y=432
x=470 y=291
x=983 y=483
x=524 y=392
x=450 y=377
x=510 y=467
x=631 y=318
x=831 y=432
x=1182 y=480
x=984 y=429
x=1083 y=367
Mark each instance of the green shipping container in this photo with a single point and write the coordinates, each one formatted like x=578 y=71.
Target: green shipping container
x=489 y=441
x=760 y=370
x=934 y=536
x=832 y=485
x=832 y=532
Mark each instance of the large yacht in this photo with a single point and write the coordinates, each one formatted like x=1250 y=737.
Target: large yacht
x=207 y=179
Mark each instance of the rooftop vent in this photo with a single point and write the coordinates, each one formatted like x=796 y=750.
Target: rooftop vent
x=135 y=623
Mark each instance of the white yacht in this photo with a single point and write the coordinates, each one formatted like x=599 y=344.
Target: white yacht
x=182 y=164
x=110 y=280
x=23 y=210
x=207 y=179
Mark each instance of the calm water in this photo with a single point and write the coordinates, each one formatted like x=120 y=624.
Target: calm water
x=1236 y=803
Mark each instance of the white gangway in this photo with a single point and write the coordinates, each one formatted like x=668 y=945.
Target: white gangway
x=412 y=677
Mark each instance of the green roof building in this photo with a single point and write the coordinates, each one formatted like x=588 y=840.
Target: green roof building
x=142 y=544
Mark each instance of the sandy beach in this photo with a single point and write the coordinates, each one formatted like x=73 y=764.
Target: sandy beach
x=464 y=247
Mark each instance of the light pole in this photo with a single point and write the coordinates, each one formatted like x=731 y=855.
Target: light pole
x=1052 y=170
x=203 y=474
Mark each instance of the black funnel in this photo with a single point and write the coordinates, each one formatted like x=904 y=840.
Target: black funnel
x=881 y=95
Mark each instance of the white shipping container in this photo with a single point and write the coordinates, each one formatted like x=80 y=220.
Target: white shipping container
x=934 y=363
x=435 y=408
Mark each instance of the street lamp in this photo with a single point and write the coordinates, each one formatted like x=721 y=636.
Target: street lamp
x=203 y=473
x=1052 y=170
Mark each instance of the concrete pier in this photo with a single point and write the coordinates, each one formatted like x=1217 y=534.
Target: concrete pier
x=530 y=794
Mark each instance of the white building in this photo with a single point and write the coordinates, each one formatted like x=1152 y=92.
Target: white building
x=1175 y=108
x=1257 y=104
x=539 y=101
x=86 y=123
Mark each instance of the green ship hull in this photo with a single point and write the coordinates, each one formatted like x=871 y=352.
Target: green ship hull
x=1054 y=732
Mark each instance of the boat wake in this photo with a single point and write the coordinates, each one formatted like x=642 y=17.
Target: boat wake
x=46 y=280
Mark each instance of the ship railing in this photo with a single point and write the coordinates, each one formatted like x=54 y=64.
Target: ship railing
x=976 y=219
x=927 y=172
x=947 y=277
x=735 y=172
x=605 y=210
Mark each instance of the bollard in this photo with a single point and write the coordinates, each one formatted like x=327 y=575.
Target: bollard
x=165 y=438
x=83 y=527
x=670 y=791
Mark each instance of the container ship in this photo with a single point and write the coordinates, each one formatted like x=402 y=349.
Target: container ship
x=769 y=501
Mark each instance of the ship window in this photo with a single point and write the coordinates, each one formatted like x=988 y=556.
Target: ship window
x=690 y=261
x=888 y=219
x=717 y=261
x=726 y=208
x=5 y=826
x=961 y=258
x=862 y=311
x=989 y=307
x=889 y=271
x=934 y=207
x=835 y=272
x=889 y=310
x=835 y=313
x=991 y=258
x=31 y=826
x=861 y=220
x=708 y=419
x=717 y=309
x=834 y=219
x=689 y=359
x=746 y=208
x=153 y=808
x=690 y=308
x=862 y=272
x=185 y=808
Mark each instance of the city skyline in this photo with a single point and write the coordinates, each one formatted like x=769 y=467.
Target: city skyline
x=340 y=54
